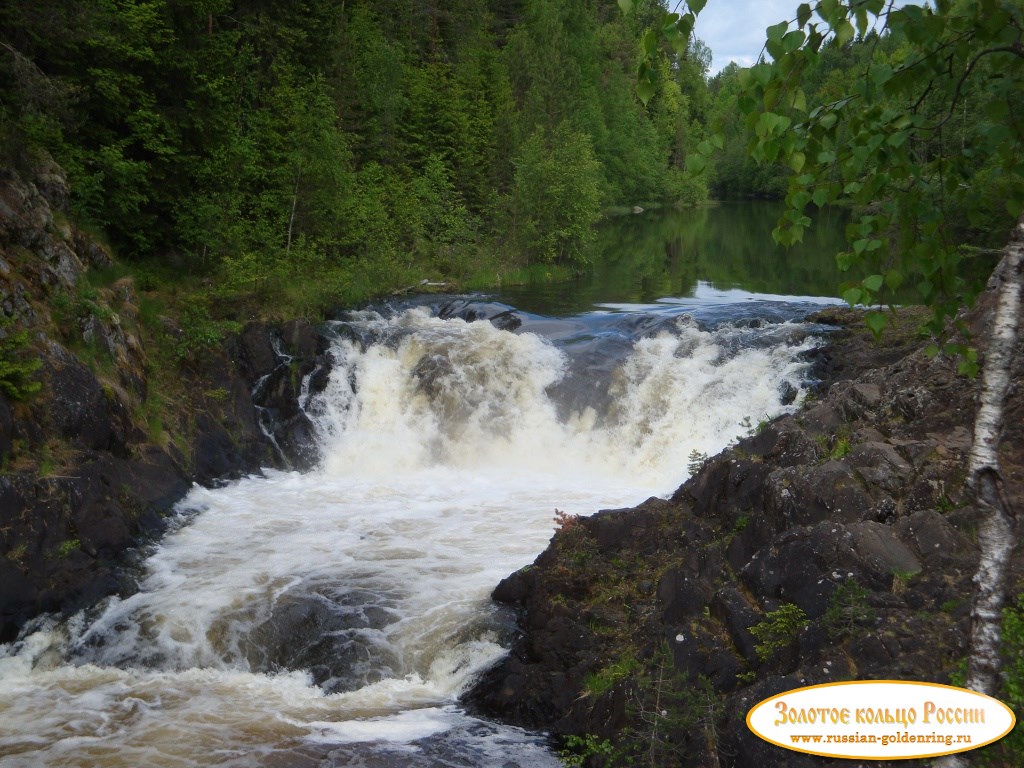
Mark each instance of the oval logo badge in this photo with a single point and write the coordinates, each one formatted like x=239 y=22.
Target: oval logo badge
x=881 y=719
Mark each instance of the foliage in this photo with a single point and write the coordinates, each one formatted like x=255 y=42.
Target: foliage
x=696 y=460
x=360 y=140
x=1010 y=749
x=911 y=115
x=556 y=195
x=779 y=628
x=16 y=365
x=603 y=680
x=929 y=114
x=585 y=750
x=847 y=608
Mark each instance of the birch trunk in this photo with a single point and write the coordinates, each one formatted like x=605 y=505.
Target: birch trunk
x=996 y=538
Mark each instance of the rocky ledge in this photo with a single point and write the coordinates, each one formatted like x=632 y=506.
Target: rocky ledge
x=833 y=544
x=94 y=448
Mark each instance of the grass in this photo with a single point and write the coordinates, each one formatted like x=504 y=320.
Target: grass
x=599 y=682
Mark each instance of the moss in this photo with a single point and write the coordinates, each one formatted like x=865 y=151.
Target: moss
x=598 y=682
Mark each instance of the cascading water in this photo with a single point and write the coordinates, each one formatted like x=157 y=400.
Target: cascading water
x=334 y=617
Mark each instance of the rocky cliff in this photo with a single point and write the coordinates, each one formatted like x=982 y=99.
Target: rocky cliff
x=833 y=544
x=103 y=427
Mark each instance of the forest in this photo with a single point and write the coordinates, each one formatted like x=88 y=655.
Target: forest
x=317 y=153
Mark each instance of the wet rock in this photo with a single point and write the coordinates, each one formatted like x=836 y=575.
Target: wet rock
x=787 y=393
x=256 y=351
x=6 y=427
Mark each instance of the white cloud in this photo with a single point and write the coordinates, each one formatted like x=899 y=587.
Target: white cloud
x=734 y=30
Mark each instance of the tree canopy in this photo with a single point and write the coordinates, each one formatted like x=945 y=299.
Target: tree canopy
x=920 y=130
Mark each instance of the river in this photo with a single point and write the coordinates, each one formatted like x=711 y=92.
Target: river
x=334 y=617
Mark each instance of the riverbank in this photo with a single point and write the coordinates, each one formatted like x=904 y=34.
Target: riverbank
x=833 y=544
x=119 y=395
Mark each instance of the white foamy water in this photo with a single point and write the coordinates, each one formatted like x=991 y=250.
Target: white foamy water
x=334 y=617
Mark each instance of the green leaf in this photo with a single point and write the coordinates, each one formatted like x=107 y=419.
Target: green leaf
x=862 y=21
x=893 y=279
x=645 y=89
x=697 y=5
x=876 y=322
x=686 y=24
x=852 y=296
x=792 y=40
x=650 y=42
x=696 y=163
x=844 y=32
x=873 y=282
x=803 y=14
x=626 y=6
x=897 y=140
x=799 y=101
x=828 y=120
x=881 y=73
x=776 y=31
x=718 y=140
x=796 y=161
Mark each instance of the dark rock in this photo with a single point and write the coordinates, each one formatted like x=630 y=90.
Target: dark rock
x=880 y=552
x=681 y=593
x=6 y=427
x=215 y=456
x=512 y=590
x=78 y=405
x=787 y=393
x=256 y=351
x=730 y=607
x=933 y=539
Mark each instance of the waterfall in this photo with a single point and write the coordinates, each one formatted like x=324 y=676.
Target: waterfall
x=337 y=614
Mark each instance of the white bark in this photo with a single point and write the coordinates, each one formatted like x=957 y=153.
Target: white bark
x=996 y=535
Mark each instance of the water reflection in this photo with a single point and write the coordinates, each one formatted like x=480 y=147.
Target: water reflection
x=696 y=253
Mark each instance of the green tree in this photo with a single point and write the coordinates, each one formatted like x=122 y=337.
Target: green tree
x=557 y=195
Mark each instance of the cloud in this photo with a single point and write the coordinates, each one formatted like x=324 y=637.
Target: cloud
x=734 y=30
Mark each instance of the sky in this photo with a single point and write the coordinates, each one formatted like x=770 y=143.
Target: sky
x=734 y=30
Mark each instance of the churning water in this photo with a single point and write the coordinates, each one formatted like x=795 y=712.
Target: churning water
x=334 y=617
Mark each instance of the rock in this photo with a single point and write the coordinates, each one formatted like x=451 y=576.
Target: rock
x=78 y=406
x=787 y=393
x=880 y=551
x=730 y=607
